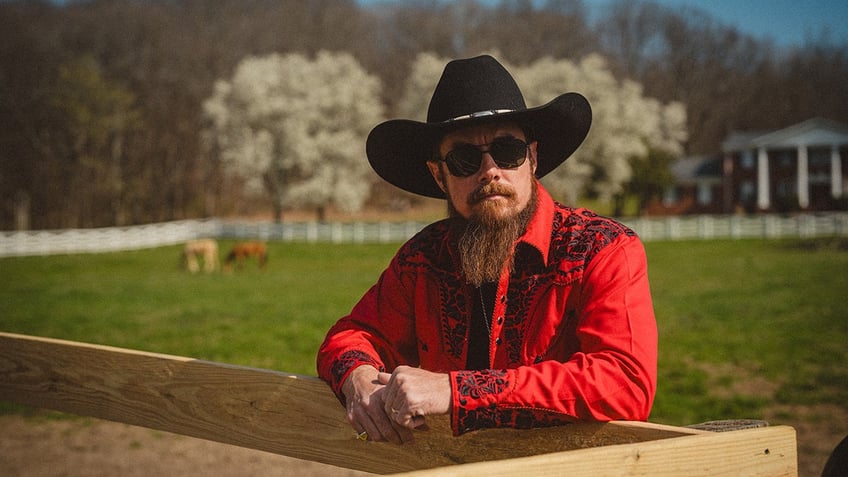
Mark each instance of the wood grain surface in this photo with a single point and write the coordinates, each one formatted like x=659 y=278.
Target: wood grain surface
x=298 y=416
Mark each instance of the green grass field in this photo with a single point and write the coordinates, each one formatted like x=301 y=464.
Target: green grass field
x=748 y=329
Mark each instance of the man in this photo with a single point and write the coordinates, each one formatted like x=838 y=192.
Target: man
x=515 y=311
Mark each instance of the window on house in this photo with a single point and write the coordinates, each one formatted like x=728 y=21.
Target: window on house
x=747 y=159
x=705 y=194
x=670 y=196
x=747 y=192
x=819 y=158
x=784 y=159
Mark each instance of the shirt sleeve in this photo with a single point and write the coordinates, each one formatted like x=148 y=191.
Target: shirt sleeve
x=612 y=377
x=379 y=331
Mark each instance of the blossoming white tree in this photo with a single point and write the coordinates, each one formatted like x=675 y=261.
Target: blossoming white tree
x=294 y=128
x=625 y=125
x=420 y=84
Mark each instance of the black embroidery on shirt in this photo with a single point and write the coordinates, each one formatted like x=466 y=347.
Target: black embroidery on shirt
x=455 y=316
x=348 y=360
x=429 y=251
x=525 y=286
x=490 y=416
x=476 y=384
x=578 y=236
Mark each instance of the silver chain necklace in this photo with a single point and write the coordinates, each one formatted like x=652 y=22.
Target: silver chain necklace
x=483 y=309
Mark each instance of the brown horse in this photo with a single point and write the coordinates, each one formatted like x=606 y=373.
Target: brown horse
x=203 y=249
x=245 y=250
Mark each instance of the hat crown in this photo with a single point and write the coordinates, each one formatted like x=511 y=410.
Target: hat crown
x=474 y=85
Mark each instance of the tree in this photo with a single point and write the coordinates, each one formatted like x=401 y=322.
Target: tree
x=419 y=86
x=98 y=115
x=625 y=124
x=294 y=128
x=651 y=177
x=28 y=67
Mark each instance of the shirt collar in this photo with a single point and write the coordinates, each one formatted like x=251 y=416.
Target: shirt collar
x=538 y=233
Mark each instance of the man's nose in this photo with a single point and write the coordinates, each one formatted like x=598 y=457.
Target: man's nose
x=489 y=169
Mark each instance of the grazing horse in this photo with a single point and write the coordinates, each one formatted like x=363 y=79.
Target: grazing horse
x=204 y=249
x=245 y=250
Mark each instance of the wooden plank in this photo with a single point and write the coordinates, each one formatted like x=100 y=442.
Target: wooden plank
x=277 y=412
x=767 y=451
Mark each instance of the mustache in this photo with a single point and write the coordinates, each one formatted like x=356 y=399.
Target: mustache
x=492 y=188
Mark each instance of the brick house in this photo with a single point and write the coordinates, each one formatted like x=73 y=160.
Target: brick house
x=801 y=167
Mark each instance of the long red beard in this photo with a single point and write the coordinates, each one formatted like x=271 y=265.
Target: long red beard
x=486 y=240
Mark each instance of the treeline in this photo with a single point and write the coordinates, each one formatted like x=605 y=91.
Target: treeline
x=101 y=117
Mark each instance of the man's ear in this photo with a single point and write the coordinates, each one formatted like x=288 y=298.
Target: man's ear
x=438 y=173
x=532 y=156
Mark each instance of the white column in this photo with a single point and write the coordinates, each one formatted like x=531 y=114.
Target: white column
x=763 y=197
x=803 y=178
x=835 y=173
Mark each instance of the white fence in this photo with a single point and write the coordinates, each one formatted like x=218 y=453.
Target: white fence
x=334 y=232
x=113 y=239
x=156 y=235
x=110 y=239
x=705 y=227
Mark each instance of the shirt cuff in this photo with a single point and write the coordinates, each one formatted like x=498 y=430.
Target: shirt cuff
x=474 y=395
x=347 y=362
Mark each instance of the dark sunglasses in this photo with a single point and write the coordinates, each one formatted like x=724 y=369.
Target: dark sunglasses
x=465 y=160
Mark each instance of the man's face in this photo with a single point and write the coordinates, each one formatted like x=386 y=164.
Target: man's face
x=491 y=190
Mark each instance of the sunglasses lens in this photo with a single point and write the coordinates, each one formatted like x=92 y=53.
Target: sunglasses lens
x=508 y=154
x=465 y=160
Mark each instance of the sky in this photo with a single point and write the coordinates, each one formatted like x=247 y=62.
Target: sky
x=786 y=22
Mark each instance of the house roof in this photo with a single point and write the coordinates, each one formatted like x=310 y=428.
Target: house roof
x=812 y=132
x=689 y=170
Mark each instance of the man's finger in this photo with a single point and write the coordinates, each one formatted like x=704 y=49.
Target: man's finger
x=384 y=378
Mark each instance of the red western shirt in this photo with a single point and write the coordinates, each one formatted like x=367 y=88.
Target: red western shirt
x=573 y=334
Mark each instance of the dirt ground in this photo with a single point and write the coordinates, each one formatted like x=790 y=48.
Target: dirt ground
x=91 y=447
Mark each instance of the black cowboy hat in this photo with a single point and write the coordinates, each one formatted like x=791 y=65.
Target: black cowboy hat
x=469 y=92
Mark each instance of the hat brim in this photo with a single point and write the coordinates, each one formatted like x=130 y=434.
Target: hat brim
x=399 y=149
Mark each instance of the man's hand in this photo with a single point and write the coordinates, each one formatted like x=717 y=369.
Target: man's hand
x=365 y=407
x=412 y=393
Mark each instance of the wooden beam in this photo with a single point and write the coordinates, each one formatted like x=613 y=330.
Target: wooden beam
x=299 y=417
x=766 y=451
